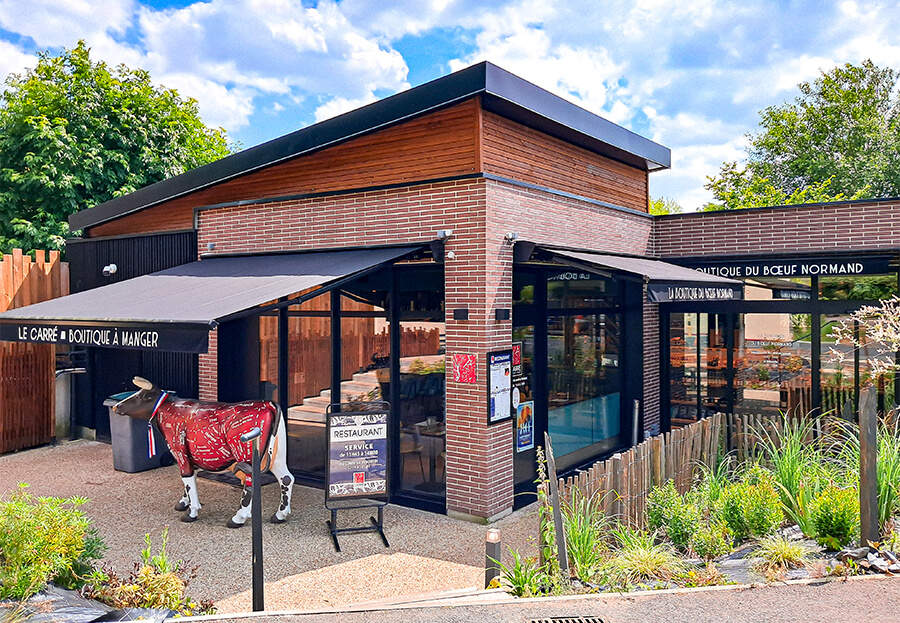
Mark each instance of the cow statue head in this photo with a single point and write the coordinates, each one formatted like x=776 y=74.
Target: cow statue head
x=142 y=403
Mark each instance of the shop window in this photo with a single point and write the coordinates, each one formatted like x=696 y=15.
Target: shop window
x=858 y=287
x=309 y=374
x=523 y=287
x=578 y=289
x=772 y=364
x=845 y=370
x=584 y=384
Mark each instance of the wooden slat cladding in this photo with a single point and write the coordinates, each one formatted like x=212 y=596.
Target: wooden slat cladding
x=441 y=144
x=517 y=152
x=27 y=382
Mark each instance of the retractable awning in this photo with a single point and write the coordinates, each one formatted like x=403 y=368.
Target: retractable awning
x=174 y=309
x=666 y=283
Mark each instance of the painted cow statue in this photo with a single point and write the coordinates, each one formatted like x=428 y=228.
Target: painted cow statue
x=206 y=435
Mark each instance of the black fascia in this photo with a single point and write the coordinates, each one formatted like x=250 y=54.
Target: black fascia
x=514 y=98
x=505 y=94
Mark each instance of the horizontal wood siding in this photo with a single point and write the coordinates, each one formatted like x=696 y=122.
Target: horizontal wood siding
x=515 y=151
x=441 y=144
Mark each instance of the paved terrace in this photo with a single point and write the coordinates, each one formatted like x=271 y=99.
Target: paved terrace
x=302 y=571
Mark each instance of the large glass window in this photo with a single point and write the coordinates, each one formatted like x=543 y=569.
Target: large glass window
x=584 y=384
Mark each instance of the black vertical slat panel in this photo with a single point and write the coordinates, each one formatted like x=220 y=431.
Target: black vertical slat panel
x=111 y=370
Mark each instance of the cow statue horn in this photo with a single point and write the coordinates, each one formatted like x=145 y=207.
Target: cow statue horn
x=143 y=383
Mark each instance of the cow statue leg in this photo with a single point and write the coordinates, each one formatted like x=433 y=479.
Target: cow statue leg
x=246 y=510
x=190 y=503
x=279 y=469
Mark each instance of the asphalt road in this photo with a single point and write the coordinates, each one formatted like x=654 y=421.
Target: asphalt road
x=859 y=599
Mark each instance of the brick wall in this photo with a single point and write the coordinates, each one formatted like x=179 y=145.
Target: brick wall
x=480 y=212
x=209 y=369
x=856 y=225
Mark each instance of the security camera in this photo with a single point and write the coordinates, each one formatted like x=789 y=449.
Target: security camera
x=511 y=237
x=110 y=269
x=444 y=234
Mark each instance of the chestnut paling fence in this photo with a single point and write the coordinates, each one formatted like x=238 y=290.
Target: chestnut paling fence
x=27 y=379
x=623 y=481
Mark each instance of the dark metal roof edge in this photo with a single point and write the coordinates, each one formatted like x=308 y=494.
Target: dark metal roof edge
x=441 y=92
x=533 y=98
x=817 y=204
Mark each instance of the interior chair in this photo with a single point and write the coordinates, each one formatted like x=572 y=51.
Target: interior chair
x=411 y=443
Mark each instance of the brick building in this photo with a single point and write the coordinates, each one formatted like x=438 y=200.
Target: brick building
x=476 y=252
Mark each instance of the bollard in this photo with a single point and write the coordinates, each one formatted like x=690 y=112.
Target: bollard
x=491 y=556
x=256 y=520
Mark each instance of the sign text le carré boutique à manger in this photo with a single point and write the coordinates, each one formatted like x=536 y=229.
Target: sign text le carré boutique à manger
x=160 y=337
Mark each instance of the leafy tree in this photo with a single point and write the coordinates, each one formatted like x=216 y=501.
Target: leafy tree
x=75 y=133
x=840 y=139
x=664 y=205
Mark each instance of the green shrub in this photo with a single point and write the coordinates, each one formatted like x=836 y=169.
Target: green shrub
x=835 y=514
x=674 y=515
x=752 y=507
x=711 y=540
x=733 y=510
x=44 y=539
x=156 y=582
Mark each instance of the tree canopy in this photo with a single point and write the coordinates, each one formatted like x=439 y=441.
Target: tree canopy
x=664 y=205
x=75 y=133
x=839 y=139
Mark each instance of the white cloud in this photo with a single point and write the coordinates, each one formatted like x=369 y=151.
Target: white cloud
x=692 y=76
x=52 y=23
x=12 y=60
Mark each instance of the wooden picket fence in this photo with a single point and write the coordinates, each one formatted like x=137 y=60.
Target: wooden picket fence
x=27 y=378
x=624 y=480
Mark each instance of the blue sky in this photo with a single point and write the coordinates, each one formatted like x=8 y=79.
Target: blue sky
x=691 y=76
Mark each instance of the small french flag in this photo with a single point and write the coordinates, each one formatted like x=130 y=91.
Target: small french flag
x=151 y=441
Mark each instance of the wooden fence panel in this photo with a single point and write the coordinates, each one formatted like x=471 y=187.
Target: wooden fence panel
x=27 y=379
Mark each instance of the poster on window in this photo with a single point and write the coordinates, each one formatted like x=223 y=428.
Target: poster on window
x=524 y=426
x=499 y=386
x=357 y=455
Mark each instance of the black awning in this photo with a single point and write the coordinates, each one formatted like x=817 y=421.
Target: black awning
x=174 y=309
x=666 y=283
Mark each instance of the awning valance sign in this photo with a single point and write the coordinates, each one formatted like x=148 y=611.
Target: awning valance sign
x=666 y=283
x=174 y=309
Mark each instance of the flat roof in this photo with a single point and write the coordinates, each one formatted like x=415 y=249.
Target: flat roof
x=502 y=93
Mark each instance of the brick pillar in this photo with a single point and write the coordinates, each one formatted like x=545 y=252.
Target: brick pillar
x=209 y=369
x=479 y=457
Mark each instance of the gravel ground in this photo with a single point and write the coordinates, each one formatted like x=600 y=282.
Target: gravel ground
x=302 y=571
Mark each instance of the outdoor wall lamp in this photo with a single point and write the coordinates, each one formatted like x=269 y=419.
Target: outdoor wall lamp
x=110 y=269
x=511 y=237
x=444 y=234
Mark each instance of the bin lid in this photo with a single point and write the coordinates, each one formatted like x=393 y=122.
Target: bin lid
x=117 y=398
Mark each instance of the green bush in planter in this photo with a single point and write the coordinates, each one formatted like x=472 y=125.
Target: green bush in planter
x=44 y=539
x=835 y=516
x=711 y=539
x=752 y=507
x=673 y=514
